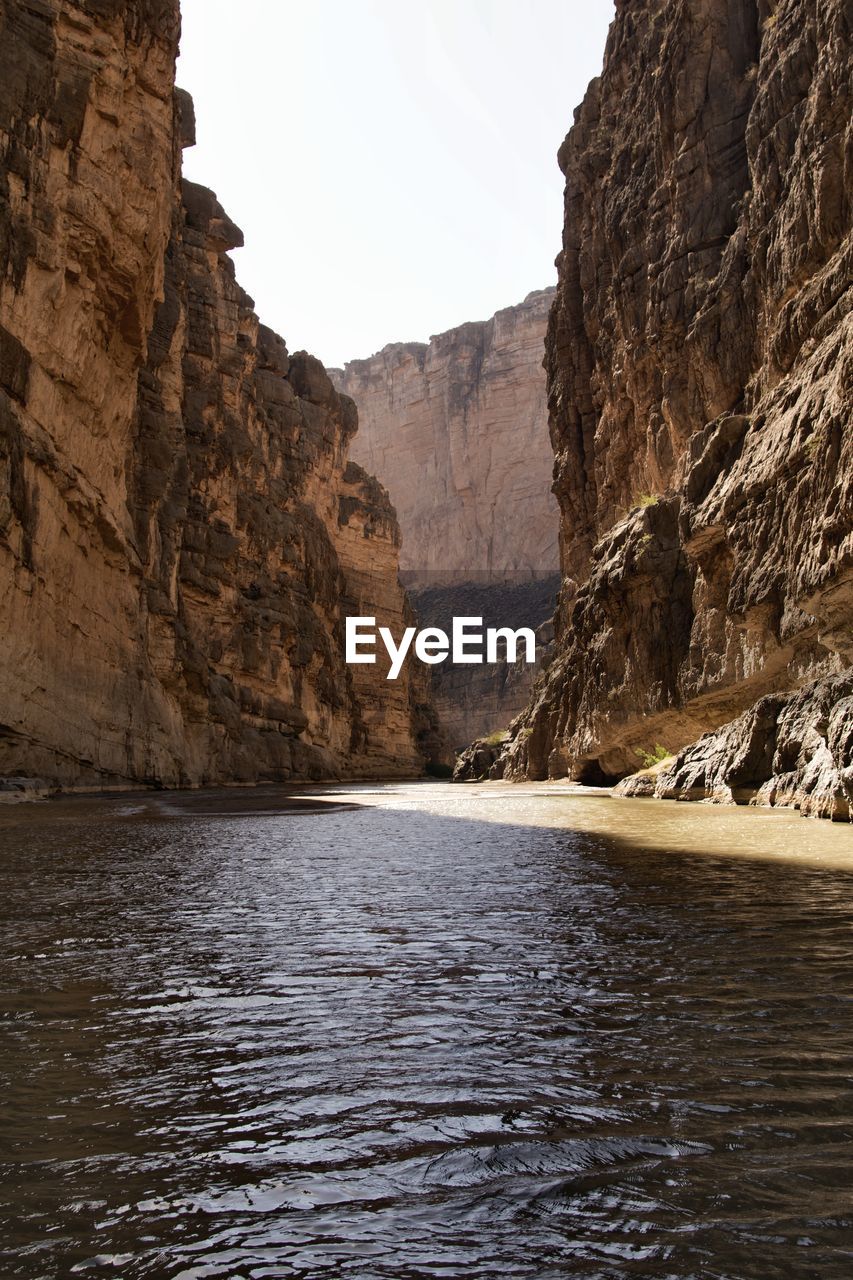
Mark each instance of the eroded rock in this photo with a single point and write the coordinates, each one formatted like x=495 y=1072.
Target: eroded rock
x=700 y=360
x=457 y=431
x=179 y=533
x=788 y=751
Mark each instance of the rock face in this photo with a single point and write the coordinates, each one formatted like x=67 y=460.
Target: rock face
x=457 y=431
x=387 y=711
x=790 y=750
x=477 y=761
x=180 y=534
x=478 y=700
x=700 y=367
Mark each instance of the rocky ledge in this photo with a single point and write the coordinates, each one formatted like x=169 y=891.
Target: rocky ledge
x=791 y=751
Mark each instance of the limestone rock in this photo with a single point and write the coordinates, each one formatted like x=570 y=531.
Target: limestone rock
x=700 y=365
x=789 y=751
x=368 y=546
x=179 y=532
x=457 y=431
x=477 y=762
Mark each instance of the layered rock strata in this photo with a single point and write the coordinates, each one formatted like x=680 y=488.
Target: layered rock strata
x=700 y=365
x=790 y=750
x=180 y=537
x=474 y=701
x=457 y=431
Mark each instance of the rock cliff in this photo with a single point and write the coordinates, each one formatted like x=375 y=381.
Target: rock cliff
x=180 y=533
x=700 y=368
x=478 y=700
x=457 y=431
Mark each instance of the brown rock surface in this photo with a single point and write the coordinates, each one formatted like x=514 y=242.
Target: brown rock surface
x=474 y=701
x=790 y=750
x=179 y=534
x=368 y=546
x=456 y=430
x=477 y=762
x=700 y=364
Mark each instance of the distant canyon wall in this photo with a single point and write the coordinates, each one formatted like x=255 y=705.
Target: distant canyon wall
x=180 y=532
x=457 y=430
x=700 y=378
x=476 y=700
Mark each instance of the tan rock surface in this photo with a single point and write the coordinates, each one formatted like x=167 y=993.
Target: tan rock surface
x=173 y=557
x=368 y=546
x=788 y=751
x=456 y=430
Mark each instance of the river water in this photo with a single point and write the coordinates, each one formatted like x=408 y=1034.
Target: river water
x=424 y=1031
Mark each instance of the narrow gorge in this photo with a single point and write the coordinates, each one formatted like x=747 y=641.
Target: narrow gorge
x=181 y=532
x=331 y=949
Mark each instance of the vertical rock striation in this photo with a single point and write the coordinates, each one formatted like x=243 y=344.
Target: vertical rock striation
x=699 y=364
x=457 y=429
x=177 y=522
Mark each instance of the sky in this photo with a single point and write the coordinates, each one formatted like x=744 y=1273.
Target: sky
x=392 y=163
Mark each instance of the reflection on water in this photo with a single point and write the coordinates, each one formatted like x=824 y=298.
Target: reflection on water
x=430 y=1031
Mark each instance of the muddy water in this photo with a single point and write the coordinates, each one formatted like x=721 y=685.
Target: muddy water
x=424 y=1031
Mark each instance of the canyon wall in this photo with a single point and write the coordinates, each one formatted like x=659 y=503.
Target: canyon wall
x=180 y=533
x=700 y=368
x=457 y=430
x=475 y=701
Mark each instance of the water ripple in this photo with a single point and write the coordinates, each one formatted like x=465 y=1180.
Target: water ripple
x=430 y=1033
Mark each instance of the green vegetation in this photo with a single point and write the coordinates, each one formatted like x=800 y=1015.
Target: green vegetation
x=645 y=500
x=651 y=758
x=813 y=444
x=495 y=739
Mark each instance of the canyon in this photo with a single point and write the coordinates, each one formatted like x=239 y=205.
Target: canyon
x=380 y=1026
x=457 y=430
x=700 y=367
x=189 y=512
x=182 y=533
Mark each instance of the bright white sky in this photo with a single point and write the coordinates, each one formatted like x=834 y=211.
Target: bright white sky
x=392 y=163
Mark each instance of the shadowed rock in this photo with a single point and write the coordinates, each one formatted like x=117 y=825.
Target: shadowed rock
x=700 y=360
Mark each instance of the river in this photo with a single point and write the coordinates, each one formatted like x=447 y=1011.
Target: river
x=424 y=1031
